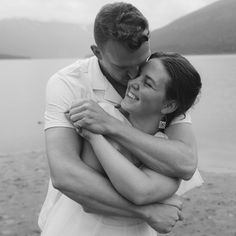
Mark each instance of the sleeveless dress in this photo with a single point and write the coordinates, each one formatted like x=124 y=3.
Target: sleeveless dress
x=61 y=216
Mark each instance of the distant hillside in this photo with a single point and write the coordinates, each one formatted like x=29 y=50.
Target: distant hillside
x=5 y=56
x=44 y=39
x=210 y=30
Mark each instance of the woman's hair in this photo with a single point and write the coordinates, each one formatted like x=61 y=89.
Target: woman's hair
x=121 y=22
x=185 y=82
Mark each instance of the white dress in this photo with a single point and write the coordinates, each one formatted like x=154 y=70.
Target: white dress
x=61 y=216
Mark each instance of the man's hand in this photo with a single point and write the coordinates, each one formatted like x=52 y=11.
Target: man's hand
x=89 y=115
x=162 y=217
x=173 y=201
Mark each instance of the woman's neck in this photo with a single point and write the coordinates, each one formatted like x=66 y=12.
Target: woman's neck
x=147 y=124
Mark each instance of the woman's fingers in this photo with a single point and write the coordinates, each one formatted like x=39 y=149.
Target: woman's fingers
x=77 y=109
x=76 y=117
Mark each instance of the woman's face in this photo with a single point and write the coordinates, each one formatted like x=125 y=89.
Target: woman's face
x=145 y=95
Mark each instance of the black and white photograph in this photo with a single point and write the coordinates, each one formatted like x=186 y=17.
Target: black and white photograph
x=117 y=118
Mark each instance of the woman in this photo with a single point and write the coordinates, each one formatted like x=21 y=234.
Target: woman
x=166 y=88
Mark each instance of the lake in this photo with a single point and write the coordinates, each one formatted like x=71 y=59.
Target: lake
x=22 y=96
x=22 y=92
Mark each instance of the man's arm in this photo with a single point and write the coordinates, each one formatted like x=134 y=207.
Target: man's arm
x=77 y=180
x=92 y=190
x=176 y=157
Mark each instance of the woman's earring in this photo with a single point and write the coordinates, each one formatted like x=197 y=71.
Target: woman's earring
x=162 y=124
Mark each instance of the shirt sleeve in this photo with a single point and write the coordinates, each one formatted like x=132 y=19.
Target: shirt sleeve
x=59 y=98
x=182 y=119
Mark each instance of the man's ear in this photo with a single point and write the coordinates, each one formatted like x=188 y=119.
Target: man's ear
x=96 y=51
x=169 y=107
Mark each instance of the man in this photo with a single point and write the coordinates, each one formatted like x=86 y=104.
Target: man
x=122 y=37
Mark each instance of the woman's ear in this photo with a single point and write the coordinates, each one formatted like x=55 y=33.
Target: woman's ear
x=96 y=51
x=169 y=107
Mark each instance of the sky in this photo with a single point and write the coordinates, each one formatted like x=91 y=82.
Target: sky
x=158 y=12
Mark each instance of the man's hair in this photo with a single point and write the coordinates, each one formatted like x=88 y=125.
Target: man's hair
x=185 y=82
x=121 y=22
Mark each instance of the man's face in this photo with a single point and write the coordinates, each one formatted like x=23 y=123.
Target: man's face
x=121 y=63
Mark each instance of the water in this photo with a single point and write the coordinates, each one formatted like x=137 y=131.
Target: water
x=214 y=116
x=22 y=91
x=22 y=96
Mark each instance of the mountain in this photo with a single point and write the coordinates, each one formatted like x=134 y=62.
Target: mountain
x=210 y=30
x=44 y=39
x=6 y=56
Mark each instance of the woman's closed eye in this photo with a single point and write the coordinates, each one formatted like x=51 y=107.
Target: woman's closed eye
x=147 y=83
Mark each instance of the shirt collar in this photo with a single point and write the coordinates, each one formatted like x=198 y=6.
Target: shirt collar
x=99 y=82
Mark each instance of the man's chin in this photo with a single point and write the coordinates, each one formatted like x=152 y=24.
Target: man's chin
x=123 y=82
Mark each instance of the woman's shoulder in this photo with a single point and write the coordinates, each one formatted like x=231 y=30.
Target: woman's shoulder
x=184 y=118
x=160 y=134
x=112 y=110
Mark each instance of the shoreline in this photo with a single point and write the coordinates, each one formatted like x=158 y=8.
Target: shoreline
x=208 y=210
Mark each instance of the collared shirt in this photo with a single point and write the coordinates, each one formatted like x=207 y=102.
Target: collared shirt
x=81 y=80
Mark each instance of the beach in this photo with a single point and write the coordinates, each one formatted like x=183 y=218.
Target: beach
x=208 y=210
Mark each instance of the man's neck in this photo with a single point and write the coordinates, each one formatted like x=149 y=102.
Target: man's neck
x=120 y=88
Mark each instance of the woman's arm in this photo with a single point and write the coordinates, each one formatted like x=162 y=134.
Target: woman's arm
x=139 y=185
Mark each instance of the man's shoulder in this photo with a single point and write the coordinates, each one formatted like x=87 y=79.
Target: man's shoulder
x=78 y=67
x=68 y=85
x=74 y=73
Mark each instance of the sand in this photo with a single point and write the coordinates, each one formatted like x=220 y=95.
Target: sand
x=209 y=210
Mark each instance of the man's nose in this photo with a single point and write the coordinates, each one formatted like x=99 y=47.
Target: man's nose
x=133 y=72
x=134 y=83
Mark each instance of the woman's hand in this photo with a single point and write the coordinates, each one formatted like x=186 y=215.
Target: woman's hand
x=88 y=114
x=86 y=134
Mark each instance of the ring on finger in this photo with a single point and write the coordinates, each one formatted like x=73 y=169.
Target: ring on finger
x=77 y=124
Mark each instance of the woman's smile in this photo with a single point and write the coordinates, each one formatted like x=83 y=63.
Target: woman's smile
x=132 y=96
